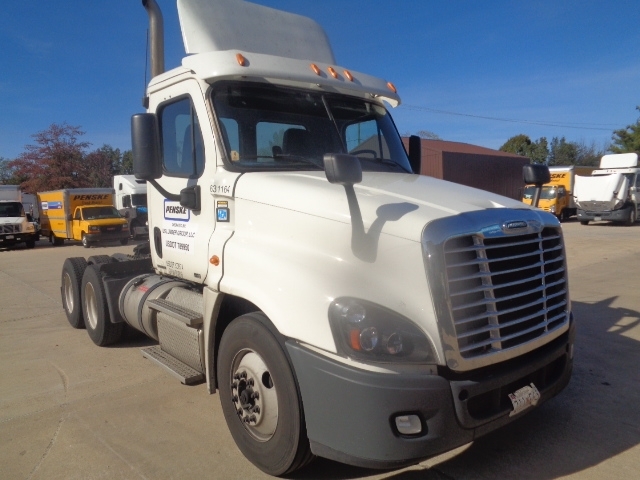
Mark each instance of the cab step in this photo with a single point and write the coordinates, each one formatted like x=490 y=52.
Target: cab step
x=175 y=367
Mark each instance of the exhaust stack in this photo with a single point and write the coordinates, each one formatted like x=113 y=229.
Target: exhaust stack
x=156 y=36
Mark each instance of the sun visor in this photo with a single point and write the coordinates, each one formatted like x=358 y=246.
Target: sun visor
x=220 y=25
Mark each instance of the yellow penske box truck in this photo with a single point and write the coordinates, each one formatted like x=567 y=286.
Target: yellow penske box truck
x=557 y=195
x=85 y=214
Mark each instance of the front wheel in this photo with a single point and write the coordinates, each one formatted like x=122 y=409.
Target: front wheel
x=260 y=398
x=584 y=222
x=85 y=241
x=632 y=217
x=124 y=241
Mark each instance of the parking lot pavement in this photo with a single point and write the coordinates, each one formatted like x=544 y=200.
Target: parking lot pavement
x=71 y=410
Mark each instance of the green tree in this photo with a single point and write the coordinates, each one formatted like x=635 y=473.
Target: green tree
x=7 y=173
x=627 y=139
x=537 y=151
x=126 y=163
x=562 y=152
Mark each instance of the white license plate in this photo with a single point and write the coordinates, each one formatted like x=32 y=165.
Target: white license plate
x=597 y=219
x=9 y=237
x=524 y=398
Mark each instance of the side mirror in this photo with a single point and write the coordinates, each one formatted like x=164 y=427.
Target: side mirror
x=415 y=153
x=126 y=214
x=342 y=169
x=190 y=197
x=536 y=174
x=69 y=217
x=145 y=142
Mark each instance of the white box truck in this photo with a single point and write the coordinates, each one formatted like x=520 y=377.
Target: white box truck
x=340 y=304
x=16 y=225
x=131 y=202
x=612 y=192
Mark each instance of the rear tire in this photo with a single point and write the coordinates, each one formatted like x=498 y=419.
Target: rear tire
x=98 y=259
x=269 y=428
x=95 y=310
x=70 y=288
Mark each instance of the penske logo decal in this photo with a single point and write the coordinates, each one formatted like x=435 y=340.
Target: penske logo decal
x=175 y=211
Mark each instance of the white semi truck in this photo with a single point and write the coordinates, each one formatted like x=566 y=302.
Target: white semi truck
x=16 y=225
x=131 y=202
x=341 y=305
x=612 y=192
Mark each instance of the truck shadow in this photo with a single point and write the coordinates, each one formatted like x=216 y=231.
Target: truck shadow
x=594 y=419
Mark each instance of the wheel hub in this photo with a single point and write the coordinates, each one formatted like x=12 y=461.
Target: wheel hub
x=254 y=396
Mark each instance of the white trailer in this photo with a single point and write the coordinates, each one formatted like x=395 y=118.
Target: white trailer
x=131 y=202
x=612 y=192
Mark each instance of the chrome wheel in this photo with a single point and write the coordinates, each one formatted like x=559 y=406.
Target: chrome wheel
x=67 y=292
x=254 y=395
x=91 y=306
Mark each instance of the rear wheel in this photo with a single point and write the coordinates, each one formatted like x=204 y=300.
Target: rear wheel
x=95 y=310
x=260 y=398
x=70 y=287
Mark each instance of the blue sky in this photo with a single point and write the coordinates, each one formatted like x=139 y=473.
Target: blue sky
x=542 y=68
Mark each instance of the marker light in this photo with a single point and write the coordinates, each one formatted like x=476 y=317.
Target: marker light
x=392 y=87
x=315 y=69
x=241 y=60
x=347 y=74
x=332 y=72
x=215 y=260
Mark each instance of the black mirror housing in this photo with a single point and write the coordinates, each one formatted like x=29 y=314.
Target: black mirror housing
x=415 y=154
x=190 y=197
x=536 y=174
x=145 y=142
x=342 y=169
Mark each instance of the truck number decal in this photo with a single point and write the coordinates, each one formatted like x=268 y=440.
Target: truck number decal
x=220 y=189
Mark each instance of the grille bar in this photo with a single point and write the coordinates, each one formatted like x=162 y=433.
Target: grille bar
x=505 y=291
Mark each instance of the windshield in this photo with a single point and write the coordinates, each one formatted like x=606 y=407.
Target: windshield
x=94 y=213
x=139 y=199
x=11 y=209
x=547 y=193
x=266 y=127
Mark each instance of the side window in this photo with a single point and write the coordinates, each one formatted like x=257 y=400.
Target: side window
x=182 y=144
x=366 y=139
x=126 y=201
x=231 y=137
x=76 y=215
x=638 y=181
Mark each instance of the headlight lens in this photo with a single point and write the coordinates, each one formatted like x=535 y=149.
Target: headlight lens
x=552 y=209
x=94 y=228
x=366 y=331
x=125 y=226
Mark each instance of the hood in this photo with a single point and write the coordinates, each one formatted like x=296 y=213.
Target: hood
x=399 y=205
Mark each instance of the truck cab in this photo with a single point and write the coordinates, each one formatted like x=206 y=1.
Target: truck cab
x=296 y=260
x=98 y=223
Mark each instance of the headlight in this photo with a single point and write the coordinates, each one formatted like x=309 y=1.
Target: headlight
x=125 y=226
x=94 y=228
x=370 y=332
x=552 y=209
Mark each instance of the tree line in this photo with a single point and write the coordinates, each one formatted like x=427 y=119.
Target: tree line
x=59 y=159
x=561 y=152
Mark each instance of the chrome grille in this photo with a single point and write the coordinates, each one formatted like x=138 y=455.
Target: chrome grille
x=505 y=291
x=10 y=228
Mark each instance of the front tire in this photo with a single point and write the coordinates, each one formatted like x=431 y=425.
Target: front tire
x=632 y=217
x=85 y=241
x=584 y=222
x=95 y=310
x=124 y=241
x=260 y=397
x=70 y=288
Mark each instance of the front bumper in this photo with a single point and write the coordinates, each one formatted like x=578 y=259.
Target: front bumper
x=620 y=215
x=107 y=237
x=350 y=413
x=15 y=238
